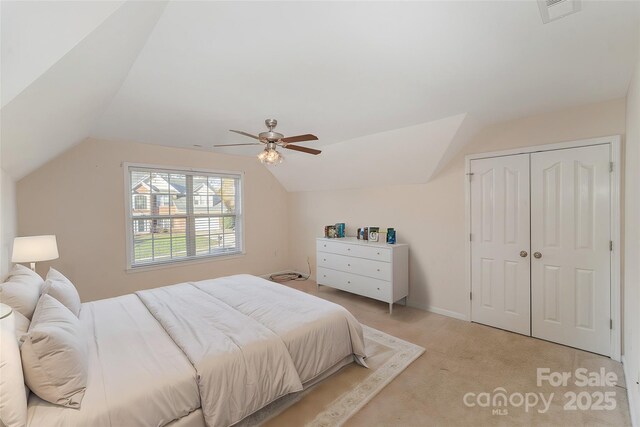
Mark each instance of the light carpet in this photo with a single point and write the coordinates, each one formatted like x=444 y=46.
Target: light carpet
x=387 y=357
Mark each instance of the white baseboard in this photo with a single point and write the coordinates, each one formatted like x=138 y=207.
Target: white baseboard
x=431 y=309
x=437 y=310
x=632 y=394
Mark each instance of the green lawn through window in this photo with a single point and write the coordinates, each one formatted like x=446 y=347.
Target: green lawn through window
x=161 y=245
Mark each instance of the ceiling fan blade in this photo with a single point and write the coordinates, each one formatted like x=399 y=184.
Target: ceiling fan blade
x=244 y=133
x=299 y=138
x=303 y=149
x=234 y=145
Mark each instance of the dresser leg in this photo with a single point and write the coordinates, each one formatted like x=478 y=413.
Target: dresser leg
x=390 y=308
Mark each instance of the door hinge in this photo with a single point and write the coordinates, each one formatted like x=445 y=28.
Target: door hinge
x=470 y=237
x=610 y=323
x=610 y=166
x=471 y=295
x=470 y=174
x=610 y=245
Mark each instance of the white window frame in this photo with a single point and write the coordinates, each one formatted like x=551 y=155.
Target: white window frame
x=240 y=238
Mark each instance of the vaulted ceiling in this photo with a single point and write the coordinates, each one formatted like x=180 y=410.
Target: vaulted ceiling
x=406 y=80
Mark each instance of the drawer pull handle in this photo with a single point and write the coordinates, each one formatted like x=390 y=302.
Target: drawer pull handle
x=324 y=259
x=348 y=265
x=378 y=269
x=348 y=249
x=378 y=253
x=324 y=275
x=378 y=288
x=325 y=246
x=348 y=281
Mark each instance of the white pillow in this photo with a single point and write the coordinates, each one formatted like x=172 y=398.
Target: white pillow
x=22 y=325
x=21 y=290
x=63 y=290
x=13 y=398
x=55 y=354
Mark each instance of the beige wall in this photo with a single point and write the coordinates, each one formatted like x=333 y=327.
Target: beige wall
x=431 y=217
x=632 y=244
x=79 y=197
x=7 y=220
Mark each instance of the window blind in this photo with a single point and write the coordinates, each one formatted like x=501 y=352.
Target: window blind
x=179 y=215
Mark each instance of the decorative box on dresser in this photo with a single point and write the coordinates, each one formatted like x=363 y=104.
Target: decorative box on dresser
x=372 y=269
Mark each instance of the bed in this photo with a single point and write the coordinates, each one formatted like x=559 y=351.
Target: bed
x=203 y=353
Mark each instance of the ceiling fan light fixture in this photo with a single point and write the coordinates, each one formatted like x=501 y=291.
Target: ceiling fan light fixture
x=270 y=157
x=271 y=140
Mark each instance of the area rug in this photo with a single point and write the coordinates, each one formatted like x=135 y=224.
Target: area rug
x=333 y=401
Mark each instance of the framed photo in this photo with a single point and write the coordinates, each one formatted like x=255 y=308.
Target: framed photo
x=374 y=234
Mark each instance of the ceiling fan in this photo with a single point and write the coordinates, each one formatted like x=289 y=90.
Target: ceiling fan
x=271 y=140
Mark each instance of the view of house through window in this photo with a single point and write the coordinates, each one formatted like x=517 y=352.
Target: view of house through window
x=178 y=215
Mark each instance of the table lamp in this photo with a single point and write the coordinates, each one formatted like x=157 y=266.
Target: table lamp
x=32 y=249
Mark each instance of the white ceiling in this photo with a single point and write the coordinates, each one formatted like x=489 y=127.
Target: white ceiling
x=340 y=70
x=36 y=35
x=409 y=155
x=59 y=108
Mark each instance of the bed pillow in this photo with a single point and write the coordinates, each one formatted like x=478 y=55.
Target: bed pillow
x=63 y=290
x=21 y=290
x=13 y=404
x=55 y=354
x=22 y=325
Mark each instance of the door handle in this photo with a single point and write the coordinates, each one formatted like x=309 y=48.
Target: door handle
x=523 y=254
x=537 y=255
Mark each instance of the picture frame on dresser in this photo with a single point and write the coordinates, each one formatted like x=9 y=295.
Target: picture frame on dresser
x=375 y=270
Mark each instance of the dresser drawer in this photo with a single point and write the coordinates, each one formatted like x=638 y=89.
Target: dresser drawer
x=371 y=252
x=365 y=267
x=360 y=251
x=333 y=247
x=365 y=286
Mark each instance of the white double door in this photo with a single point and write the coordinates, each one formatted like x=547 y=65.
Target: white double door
x=540 y=255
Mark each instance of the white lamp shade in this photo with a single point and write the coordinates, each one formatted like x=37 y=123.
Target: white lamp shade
x=34 y=248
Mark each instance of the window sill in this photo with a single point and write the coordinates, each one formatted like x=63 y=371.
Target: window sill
x=180 y=263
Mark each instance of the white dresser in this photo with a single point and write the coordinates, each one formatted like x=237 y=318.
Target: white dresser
x=372 y=269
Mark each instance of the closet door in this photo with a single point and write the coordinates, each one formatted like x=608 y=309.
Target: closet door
x=500 y=242
x=570 y=233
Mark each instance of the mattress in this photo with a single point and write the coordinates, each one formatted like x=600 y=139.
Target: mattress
x=137 y=375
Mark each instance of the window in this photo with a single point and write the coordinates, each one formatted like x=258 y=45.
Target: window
x=140 y=202
x=180 y=215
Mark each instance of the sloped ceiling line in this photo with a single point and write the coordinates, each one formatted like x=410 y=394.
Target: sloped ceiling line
x=35 y=35
x=409 y=155
x=60 y=107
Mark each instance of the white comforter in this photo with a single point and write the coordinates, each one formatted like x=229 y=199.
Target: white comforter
x=230 y=346
x=317 y=333
x=137 y=375
x=242 y=366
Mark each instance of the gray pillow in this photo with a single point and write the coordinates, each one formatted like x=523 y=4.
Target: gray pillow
x=21 y=290
x=55 y=354
x=63 y=290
